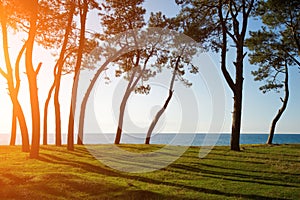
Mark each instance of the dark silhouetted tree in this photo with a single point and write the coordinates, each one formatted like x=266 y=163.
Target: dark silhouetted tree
x=215 y=22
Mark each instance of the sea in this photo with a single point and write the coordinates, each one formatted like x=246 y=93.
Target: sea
x=184 y=139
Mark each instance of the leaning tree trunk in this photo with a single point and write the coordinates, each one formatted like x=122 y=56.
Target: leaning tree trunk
x=13 y=90
x=88 y=92
x=15 y=114
x=23 y=126
x=57 y=78
x=13 y=128
x=130 y=87
x=162 y=110
x=45 y=128
x=83 y=16
x=121 y=116
x=157 y=117
x=283 y=107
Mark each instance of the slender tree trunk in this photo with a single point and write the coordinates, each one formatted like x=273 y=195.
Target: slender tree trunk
x=17 y=88
x=45 y=130
x=23 y=126
x=13 y=90
x=130 y=87
x=88 y=92
x=283 y=107
x=121 y=116
x=162 y=110
x=157 y=117
x=83 y=15
x=13 y=128
x=57 y=115
x=33 y=89
x=15 y=114
x=57 y=80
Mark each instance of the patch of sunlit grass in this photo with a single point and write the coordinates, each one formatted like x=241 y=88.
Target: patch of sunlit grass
x=257 y=172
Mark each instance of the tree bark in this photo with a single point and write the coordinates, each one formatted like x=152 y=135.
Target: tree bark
x=283 y=107
x=83 y=15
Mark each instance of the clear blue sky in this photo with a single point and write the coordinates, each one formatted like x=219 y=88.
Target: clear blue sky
x=258 y=108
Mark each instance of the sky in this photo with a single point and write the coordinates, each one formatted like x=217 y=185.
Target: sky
x=205 y=107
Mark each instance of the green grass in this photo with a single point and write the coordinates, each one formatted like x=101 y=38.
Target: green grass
x=257 y=172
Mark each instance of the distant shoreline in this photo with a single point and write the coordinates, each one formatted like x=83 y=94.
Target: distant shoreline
x=183 y=139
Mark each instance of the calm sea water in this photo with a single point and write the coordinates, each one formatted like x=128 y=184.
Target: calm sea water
x=175 y=139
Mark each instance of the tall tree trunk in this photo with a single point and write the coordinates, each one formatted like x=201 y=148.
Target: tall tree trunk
x=32 y=80
x=283 y=107
x=238 y=99
x=57 y=78
x=83 y=15
x=13 y=90
x=238 y=36
x=162 y=110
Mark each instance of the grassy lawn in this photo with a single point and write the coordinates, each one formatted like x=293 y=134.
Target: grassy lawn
x=257 y=172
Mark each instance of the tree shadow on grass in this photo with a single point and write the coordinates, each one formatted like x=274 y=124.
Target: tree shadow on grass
x=250 y=171
x=58 y=186
x=136 y=194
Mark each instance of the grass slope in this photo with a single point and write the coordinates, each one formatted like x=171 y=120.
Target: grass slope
x=258 y=172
